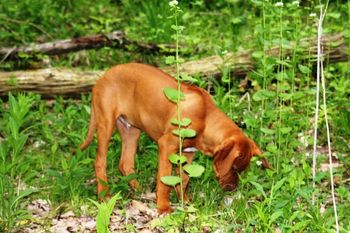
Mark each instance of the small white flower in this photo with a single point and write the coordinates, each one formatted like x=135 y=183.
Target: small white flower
x=279 y=4
x=296 y=3
x=228 y=201
x=173 y=3
x=258 y=163
x=313 y=15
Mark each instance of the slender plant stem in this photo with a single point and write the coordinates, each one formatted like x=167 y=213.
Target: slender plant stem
x=178 y=109
x=329 y=150
x=279 y=99
x=314 y=153
x=320 y=73
x=264 y=69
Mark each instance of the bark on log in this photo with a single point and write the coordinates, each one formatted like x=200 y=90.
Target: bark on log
x=55 y=81
x=115 y=39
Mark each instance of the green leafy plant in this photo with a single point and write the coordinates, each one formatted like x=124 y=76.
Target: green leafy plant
x=176 y=96
x=105 y=210
x=12 y=163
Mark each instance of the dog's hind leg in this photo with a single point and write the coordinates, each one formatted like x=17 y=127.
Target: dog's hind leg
x=105 y=125
x=130 y=136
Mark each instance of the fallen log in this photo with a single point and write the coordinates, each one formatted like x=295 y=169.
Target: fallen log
x=59 y=81
x=116 y=39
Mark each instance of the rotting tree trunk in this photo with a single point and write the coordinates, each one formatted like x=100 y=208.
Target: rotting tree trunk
x=54 y=81
x=116 y=39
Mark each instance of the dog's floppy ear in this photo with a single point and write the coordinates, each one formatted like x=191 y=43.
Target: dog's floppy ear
x=247 y=149
x=224 y=157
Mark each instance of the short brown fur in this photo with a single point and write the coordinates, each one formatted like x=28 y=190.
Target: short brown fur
x=130 y=97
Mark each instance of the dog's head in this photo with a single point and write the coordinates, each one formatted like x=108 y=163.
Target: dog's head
x=232 y=157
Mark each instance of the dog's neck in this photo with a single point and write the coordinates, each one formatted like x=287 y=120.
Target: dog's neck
x=221 y=129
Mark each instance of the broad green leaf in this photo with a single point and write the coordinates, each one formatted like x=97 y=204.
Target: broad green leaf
x=23 y=55
x=298 y=95
x=286 y=96
x=300 y=226
x=187 y=78
x=296 y=214
x=87 y=108
x=54 y=148
x=261 y=213
x=176 y=159
x=184 y=133
x=64 y=165
x=285 y=130
x=171 y=180
x=275 y=216
x=236 y=20
x=258 y=54
x=268 y=131
x=304 y=69
x=272 y=148
x=194 y=170
x=284 y=62
x=105 y=210
x=87 y=161
x=177 y=27
x=191 y=209
x=335 y=15
x=14 y=128
x=95 y=202
x=3 y=150
x=22 y=194
x=346 y=33
x=263 y=94
x=259 y=187
x=183 y=123
x=282 y=76
x=173 y=94
x=278 y=185
x=170 y=60
x=22 y=139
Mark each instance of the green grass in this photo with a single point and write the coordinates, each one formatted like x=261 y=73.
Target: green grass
x=37 y=137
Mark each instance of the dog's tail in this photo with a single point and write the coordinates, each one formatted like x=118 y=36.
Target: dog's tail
x=92 y=129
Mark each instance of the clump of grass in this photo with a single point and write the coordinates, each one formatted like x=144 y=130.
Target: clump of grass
x=13 y=165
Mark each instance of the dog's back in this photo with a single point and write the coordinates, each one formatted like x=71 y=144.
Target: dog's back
x=135 y=91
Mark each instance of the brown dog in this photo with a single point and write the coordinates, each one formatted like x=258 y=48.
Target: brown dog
x=130 y=97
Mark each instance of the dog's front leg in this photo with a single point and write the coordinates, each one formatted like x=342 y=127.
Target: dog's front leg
x=165 y=148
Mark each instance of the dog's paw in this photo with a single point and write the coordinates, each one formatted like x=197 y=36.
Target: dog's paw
x=134 y=184
x=165 y=210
